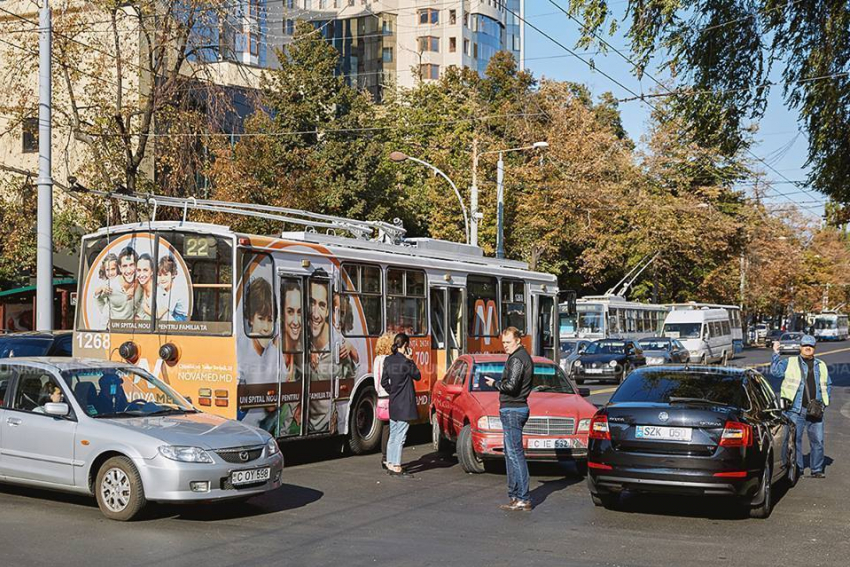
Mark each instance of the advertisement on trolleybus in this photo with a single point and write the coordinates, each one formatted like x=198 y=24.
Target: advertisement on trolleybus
x=280 y=332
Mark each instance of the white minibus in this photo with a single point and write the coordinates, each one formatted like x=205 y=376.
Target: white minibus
x=706 y=333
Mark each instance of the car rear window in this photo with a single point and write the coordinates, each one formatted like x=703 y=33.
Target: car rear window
x=546 y=378
x=17 y=346
x=659 y=387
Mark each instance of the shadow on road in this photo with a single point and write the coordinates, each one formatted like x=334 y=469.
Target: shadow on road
x=38 y=494
x=287 y=497
x=430 y=461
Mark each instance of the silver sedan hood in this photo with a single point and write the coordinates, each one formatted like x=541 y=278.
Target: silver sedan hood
x=195 y=430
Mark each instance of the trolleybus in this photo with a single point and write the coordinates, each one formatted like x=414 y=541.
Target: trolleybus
x=831 y=326
x=611 y=316
x=279 y=331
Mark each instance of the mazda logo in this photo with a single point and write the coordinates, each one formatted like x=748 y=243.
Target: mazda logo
x=244 y=456
x=663 y=416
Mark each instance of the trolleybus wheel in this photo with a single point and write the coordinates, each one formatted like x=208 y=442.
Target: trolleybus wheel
x=364 y=428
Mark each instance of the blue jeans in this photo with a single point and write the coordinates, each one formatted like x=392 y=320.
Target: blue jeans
x=815 y=430
x=398 y=433
x=513 y=420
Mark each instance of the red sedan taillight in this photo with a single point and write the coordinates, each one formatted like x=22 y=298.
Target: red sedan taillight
x=736 y=434
x=599 y=427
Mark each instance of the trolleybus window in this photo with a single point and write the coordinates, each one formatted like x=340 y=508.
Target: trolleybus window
x=406 y=302
x=258 y=304
x=513 y=304
x=194 y=284
x=361 y=289
x=481 y=306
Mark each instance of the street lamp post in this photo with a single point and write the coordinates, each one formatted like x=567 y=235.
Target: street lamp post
x=399 y=157
x=500 y=192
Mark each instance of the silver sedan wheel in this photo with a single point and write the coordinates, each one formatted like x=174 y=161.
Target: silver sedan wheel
x=115 y=490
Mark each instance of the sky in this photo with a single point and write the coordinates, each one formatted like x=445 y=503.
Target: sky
x=780 y=140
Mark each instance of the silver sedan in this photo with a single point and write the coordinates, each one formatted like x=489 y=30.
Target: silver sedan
x=114 y=431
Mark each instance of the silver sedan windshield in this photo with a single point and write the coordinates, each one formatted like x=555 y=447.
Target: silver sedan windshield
x=122 y=392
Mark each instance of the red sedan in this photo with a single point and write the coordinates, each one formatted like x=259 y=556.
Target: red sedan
x=465 y=410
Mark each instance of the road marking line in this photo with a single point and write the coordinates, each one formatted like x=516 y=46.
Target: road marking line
x=603 y=391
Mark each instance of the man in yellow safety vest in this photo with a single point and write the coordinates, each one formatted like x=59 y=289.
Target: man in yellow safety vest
x=804 y=378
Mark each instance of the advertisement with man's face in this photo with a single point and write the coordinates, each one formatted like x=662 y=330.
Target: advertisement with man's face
x=134 y=280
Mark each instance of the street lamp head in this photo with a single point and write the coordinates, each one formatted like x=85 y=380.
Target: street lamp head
x=398 y=157
x=540 y=145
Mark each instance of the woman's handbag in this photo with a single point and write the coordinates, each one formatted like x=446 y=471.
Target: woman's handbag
x=383 y=410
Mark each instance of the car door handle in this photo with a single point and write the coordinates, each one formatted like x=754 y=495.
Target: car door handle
x=13 y=421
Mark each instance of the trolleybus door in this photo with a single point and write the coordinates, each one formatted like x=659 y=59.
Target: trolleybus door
x=294 y=319
x=322 y=357
x=544 y=326
x=447 y=327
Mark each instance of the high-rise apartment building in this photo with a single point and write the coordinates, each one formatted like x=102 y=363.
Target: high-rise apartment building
x=382 y=43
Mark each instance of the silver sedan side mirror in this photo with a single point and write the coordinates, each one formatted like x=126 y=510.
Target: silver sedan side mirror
x=60 y=409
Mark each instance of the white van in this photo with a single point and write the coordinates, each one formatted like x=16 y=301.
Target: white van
x=706 y=333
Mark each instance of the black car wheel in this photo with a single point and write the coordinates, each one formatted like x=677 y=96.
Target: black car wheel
x=765 y=494
x=469 y=460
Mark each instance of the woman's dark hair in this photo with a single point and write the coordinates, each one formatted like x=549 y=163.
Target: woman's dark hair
x=400 y=341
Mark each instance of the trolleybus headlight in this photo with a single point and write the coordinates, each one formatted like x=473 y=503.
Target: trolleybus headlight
x=129 y=351
x=168 y=352
x=185 y=454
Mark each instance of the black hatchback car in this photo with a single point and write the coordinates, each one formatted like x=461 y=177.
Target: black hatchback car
x=608 y=359
x=36 y=343
x=692 y=430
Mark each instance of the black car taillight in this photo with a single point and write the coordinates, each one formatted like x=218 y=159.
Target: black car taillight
x=599 y=427
x=736 y=434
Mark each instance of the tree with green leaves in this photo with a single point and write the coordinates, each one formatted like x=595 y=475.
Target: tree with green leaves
x=723 y=54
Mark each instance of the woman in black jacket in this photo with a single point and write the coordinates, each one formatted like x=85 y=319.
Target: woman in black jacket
x=397 y=378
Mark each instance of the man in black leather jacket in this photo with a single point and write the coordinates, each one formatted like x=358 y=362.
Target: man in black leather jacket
x=514 y=388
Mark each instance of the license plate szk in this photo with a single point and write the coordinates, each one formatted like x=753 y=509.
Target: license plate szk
x=250 y=476
x=663 y=433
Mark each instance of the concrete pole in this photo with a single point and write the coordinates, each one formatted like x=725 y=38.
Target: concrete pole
x=500 y=210
x=44 y=259
x=473 y=196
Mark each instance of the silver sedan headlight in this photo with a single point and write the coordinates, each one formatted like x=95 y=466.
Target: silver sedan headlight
x=272 y=448
x=185 y=454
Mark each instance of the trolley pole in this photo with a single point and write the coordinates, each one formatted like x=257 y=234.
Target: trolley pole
x=473 y=196
x=500 y=212
x=44 y=259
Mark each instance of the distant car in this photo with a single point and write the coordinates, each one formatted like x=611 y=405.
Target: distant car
x=789 y=343
x=661 y=350
x=465 y=410
x=608 y=359
x=761 y=332
x=692 y=430
x=36 y=343
x=115 y=432
x=571 y=349
x=772 y=336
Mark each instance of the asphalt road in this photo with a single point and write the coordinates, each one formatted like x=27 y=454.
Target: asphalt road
x=341 y=510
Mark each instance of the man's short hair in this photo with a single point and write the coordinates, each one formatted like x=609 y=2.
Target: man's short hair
x=512 y=331
x=128 y=252
x=167 y=265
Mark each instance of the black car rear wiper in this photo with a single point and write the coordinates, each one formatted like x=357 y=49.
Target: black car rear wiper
x=682 y=400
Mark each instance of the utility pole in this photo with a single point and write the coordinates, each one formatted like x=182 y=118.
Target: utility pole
x=500 y=212
x=44 y=256
x=473 y=196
